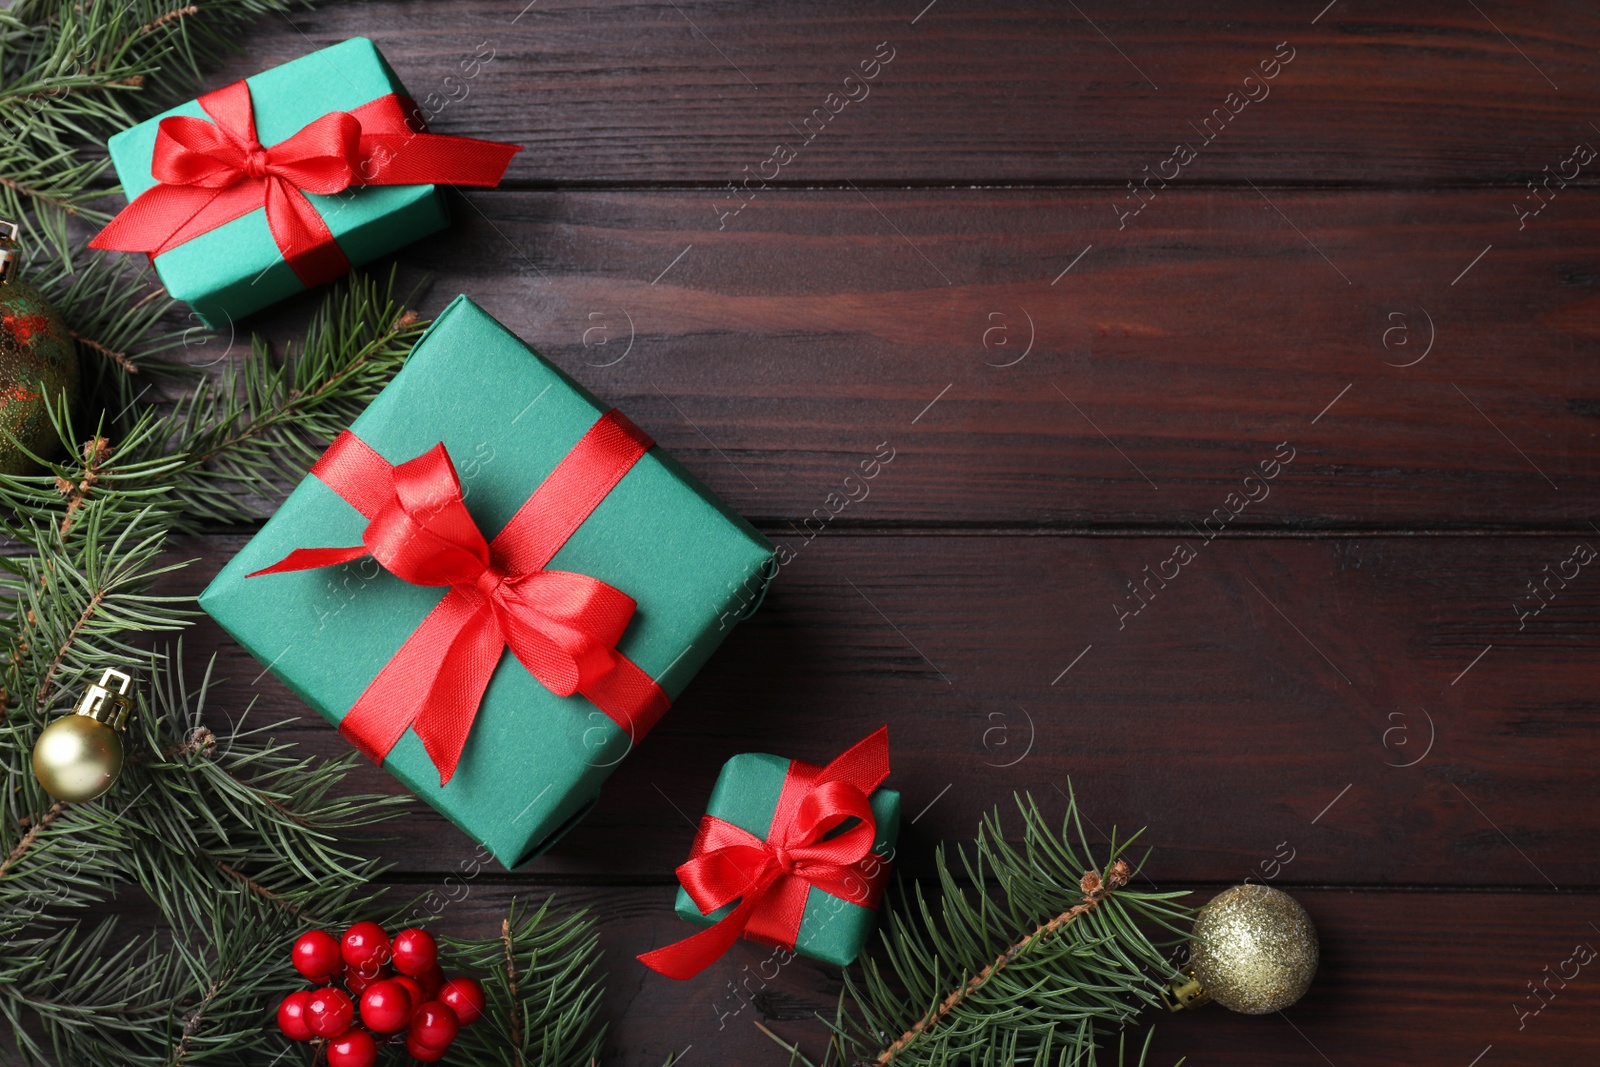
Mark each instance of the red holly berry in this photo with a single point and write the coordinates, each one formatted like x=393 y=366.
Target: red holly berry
x=464 y=997
x=353 y=1048
x=422 y=1053
x=365 y=946
x=316 y=955
x=386 y=1006
x=431 y=981
x=292 y=1016
x=329 y=1012
x=415 y=951
x=357 y=979
x=434 y=1025
x=411 y=987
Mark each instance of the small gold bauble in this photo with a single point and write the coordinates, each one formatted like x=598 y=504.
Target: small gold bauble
x=77 y=758
x=1254 y=949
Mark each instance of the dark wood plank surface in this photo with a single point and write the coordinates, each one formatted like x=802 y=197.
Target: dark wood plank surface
x=1207 y=700
x=1418 y=977
x=992 y=93
x=1139 y=388
x=1342 y=271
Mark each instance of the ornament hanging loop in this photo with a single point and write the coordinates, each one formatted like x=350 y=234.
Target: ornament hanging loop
x=10 y=252
x=106 y=705
x=1183 y=992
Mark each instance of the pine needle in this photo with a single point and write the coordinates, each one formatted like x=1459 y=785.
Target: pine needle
x=1031 y=955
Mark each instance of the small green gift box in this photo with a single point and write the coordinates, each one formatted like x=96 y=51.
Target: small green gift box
x=533 y=762
x=834 y=928
x=334 y=199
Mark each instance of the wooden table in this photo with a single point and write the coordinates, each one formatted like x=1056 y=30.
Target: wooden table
x=1374 y=687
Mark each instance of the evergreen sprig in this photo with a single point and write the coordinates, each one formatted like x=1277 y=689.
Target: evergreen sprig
x=540 y=980
x=236 y=843
x=1030 y=954
x=73 y=73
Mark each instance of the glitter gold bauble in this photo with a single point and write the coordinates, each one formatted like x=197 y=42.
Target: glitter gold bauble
x=1254 y=949
x=38 y=363
x=79 y=756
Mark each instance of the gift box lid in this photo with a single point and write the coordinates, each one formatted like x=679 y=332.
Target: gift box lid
x=534 y=761
x=746 y=794
x=237 y=268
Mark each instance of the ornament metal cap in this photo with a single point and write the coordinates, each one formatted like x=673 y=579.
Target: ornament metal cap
x=105 y=705
x=10 y=253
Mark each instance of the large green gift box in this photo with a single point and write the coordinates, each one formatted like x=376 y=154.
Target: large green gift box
x=237 y=269
x=534 y=762
x=833 y=929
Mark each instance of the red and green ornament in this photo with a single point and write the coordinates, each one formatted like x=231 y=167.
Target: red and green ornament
x=38 y=361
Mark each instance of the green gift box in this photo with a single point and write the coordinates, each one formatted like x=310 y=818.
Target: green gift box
x=833 y=929
x=237 y=268
x=534 y=762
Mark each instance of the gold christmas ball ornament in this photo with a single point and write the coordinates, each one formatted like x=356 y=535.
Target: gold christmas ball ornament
x=79 y=756
x=1254 y=951
x=38 y=363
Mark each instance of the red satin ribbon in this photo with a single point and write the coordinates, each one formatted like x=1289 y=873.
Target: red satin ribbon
x=563 y=627
x=211 y=173
x=771 y=879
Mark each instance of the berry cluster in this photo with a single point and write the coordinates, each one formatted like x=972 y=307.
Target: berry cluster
x=419 y=1000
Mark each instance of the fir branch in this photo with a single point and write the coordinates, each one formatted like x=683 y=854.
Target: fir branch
x=34 y=830
x=511 y=989
x=542 y=990
x=188 y=11
x=1094 y=891
x=126 y=365
x=1037 y=962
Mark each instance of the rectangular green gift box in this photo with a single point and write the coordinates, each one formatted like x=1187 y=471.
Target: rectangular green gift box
x=534 y=762
x=236 y=268
x=833 y=929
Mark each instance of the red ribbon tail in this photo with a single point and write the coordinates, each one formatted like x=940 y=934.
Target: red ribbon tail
x=303 y=237
x=305 y=559
x=398 y=695
x=433 y=159
x=865 y=764
x=155 y=217
x=685 y=959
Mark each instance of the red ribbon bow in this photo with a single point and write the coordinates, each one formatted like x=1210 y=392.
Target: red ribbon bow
x=771 y=879
x=211 y=173
x=563 y=627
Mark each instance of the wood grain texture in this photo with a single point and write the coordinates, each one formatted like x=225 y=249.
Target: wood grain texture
x=1139 y=388
x=988 y=92
x=1268 y=680
x=950 y=270
x=1406 y=978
